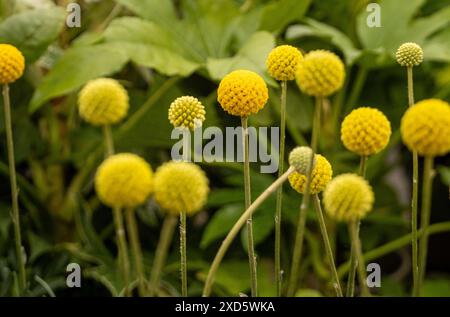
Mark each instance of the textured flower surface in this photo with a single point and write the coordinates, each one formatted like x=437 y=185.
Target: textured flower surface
x=409 y=55
x=181 y=186
x=186 y=112
x=300 y=158
x=12 y=64
x=365 y=131
x=425 y=127
x=124 y=180
x=103 y=101
x=322 y=174
x=348 y=197
x=242 y=93
x=320 y=73
x=283 y=61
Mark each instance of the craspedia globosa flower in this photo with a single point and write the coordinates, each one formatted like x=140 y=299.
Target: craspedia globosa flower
x=348 y=197
x=103 y=101
x=181 y=187
x=409 y=55
x=365 y=131
x=300 y=157
x=242 y=93
x=186 y=112
x=12 y=64
x=425 y=127
x=321 y=175
x=320 y=73
x=124 y=180
x=283 y=61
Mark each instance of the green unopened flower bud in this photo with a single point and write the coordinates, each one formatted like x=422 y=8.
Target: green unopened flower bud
x=409 y=55
x=300 y=157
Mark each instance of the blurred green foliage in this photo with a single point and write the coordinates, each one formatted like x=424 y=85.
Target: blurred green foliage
x=161 y=49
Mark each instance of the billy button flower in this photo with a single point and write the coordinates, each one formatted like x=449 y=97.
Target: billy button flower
x=12 y=65
x=282 y=64
x=409 y=55
x=365 y=131
x=425 y=129
x=181 y=188
x=349 y=197
x=243 y=93
x=321 y=176
x=125 y=181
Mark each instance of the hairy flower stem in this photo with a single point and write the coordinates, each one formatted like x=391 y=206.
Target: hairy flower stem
x=415 y=197
x=278 y=271
x=353 y=260
x=15 y=215
x=326 y=242
x=237 y=227
x=109 y=143
x=136 y=249
x=124 y=263
x=162 y=249
x=297 y=253
x=427 y=187
x=183 y=255
x=248 y=201
x=306 y=197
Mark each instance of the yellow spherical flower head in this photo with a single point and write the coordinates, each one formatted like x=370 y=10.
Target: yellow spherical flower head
x=124 y=180
x=348 y=197
x=425 y=127
x=242 y=93
x=365 y=131
x=283 y=61
x=186 y=112
x=103 y=101
x=181 y=187
x=409 y=55
x=320 y=73
x=321 y=175
x=12 y=64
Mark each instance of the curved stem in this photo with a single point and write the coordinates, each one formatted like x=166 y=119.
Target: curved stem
x=425 y=220
x=183 y=254
x=136 y=249
x=15 y=215
x=237 y=227
x=124 y=263
x=326 y=242
x=248 y=201
x=278 y=271
x=162 y=249
x=415 y=197
x=356 y=242
x=297 y=253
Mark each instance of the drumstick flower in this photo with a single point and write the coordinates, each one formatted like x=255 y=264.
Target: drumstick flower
x=282 y=64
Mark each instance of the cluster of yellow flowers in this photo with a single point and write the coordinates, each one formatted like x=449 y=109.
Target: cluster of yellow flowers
x=12 y=64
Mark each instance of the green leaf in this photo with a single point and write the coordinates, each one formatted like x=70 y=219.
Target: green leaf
x=445 y=174
x=436 y=287
x=162 y=12
x=76 y=67
x=438 y=47
x=221 y=223
x=278 y=14
x=33 y=30
x=251 y=56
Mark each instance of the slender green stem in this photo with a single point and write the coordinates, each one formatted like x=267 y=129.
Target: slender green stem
x=248 y=201
x=326 y=242
x=124 y=263
x=278 y=271
x=297 y=253
x=415 y=196
x=237 y=227
x=428 y=175
x=109 y=143
x=162 y=249
x=183 y=254
x=356 y=242
x=357 y=88
x=133 y=235
x=15 y=215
